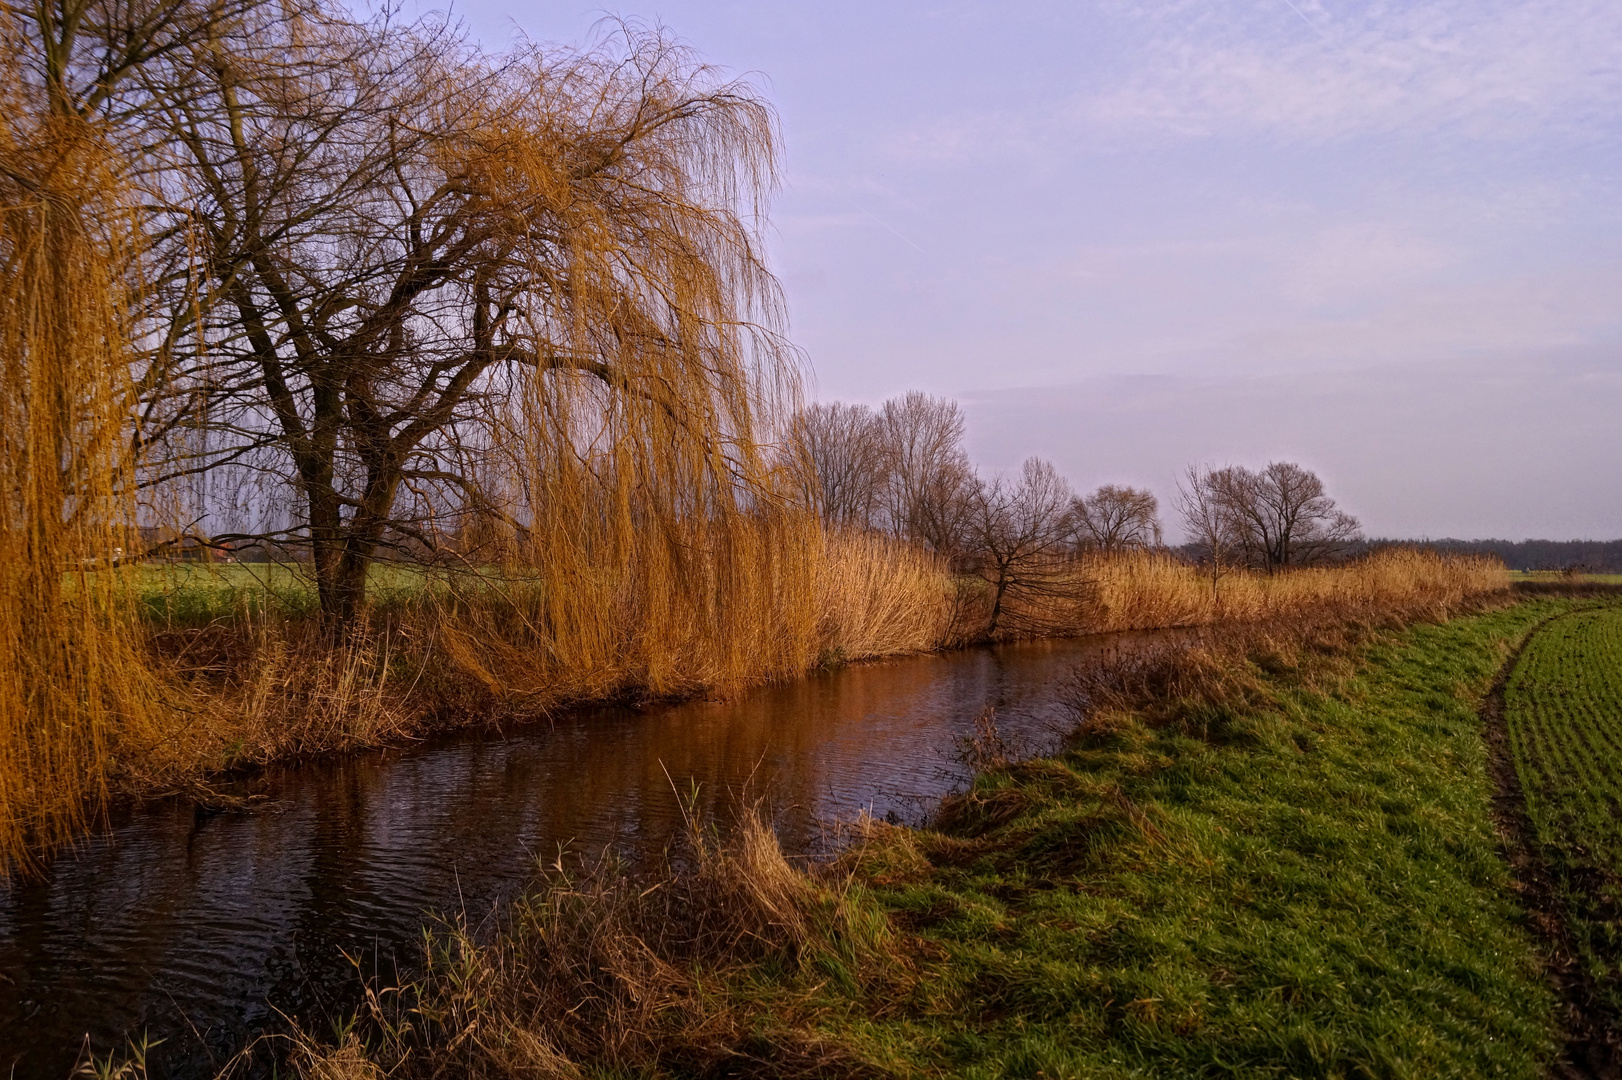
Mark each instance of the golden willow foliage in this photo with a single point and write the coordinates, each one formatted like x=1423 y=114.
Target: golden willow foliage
x=70 y=677
x=645 y=540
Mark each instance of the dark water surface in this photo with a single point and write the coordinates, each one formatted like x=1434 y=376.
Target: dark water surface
x=197 y=927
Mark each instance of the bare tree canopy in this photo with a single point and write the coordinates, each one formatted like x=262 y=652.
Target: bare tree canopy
x=1117 y=519
x=379 y=255
x=900 y=470
x=926 y=499
x=1271 y=519
x=1019 y=531
x=1207 y=526
x=842 y=462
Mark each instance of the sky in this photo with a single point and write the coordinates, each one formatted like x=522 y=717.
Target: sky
x=1380 y=239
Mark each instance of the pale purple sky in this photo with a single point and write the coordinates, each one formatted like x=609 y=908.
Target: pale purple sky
x=1382 y=239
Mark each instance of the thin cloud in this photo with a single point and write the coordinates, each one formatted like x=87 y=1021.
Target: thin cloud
x=1478 y=70
x=1494 y=71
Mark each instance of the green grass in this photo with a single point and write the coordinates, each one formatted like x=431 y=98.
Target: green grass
x=1558 y=576
x=1313 y=888
x=195 y=594
x=1563 y=705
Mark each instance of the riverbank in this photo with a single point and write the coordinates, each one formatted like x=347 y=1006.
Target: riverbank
x=274 y=687
x=1271 y=851
x=233 y=673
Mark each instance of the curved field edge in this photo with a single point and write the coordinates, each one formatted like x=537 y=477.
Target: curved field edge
x=1562 y=711
x=1279 y=860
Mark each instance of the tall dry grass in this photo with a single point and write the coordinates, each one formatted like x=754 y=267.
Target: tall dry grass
x=72 y=676
x=880 y=597
x=1149 y=590
x=786 y=597
x=266 y=687
x=712 y=613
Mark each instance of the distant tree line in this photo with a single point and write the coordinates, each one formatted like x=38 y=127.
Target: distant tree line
x=1582 y=556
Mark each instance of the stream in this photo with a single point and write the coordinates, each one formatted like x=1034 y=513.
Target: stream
x=201 y=928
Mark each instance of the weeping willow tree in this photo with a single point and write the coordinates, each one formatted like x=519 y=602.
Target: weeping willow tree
x=398 y=299
x=70 y=678
x=410 y=292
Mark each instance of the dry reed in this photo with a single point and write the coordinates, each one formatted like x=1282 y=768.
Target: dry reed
x=880 y=597
x=1146 y=590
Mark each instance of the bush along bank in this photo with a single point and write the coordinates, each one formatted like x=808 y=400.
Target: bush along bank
x=1268 y=852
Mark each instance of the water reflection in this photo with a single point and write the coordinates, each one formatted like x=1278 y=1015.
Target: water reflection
x=197 y=927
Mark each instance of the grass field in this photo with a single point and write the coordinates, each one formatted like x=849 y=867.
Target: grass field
x=1557 y=576
x=1563 y=705
x=196 y=594
x=1280 y=862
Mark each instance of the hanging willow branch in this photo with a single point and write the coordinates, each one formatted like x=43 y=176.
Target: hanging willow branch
x=70 y=677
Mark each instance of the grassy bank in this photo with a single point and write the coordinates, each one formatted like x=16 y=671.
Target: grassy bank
x=1269 y=853
x=1563 y=712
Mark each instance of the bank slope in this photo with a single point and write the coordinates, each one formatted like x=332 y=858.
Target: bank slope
x=1292 y=874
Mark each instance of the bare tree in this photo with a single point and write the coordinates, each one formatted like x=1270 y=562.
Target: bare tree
x=378 y=256
x=1207 y=521
x=1286 y=517
x=839 y=455
x=1274 y=518
x=1019 y=531
x=926 y=499
x=1117 y=518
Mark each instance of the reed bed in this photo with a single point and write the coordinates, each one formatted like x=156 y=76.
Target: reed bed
x=880 y=597
x=1149 y=590
x=726 y=617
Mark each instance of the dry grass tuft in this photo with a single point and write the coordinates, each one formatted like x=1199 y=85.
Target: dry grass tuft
x=265 y=688
x=711 y=969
